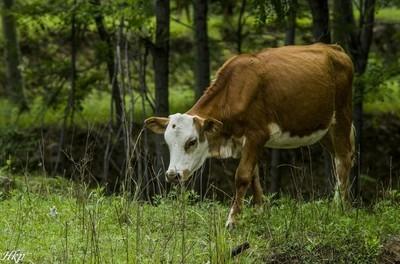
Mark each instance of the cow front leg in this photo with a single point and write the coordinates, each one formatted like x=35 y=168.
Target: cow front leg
x=243 y=178
x=257 y=189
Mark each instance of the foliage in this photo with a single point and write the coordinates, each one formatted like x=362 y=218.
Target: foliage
x=381 y=82
x=270 y=10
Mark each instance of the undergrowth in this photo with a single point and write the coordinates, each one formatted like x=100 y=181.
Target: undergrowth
x=53 y=220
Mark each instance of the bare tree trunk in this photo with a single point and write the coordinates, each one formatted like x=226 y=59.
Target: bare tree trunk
x=357 y=41
x=110 y=60
x=291 y=23
x=275 y=153
x=15 y=87
x=202 y=49
x=161 y=57
x=70 y=107
x=320 y=15
x=160 y=53
x=322 y=33
x=116 y=130
x=239 y=32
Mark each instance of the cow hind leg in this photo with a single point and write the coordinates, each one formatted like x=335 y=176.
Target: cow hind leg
x=339 y=141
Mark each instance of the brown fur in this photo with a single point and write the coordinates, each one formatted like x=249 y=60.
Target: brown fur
x=297 y=87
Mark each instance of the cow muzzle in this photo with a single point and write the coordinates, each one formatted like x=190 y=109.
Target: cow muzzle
x=172 y=176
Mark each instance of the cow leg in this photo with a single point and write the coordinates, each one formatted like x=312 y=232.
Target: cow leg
x=243 y=178
x=256 y=186
x=339 y=142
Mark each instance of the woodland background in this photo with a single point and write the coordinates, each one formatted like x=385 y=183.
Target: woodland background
x=79 y=77
x=81 y=181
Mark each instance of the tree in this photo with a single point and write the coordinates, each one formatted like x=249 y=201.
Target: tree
x=321 y=33
x=15 y=87
x=160 y=53
x=161 y=57
x=320 y=16
x=202 y=48
x=240 y=25
x=289 y=40
x=110 y=60
x=356 y=39
x=118 y=131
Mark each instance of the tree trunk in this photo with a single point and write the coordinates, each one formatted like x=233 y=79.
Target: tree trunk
x=321 y=33
x=239 y=32
x=161 y=57
x=357 y=41
x=15 y=87
x=202 y=50
x=70 y=107
x=320 y=15
x=110 y=60
x=160 y=53
x=291 y=23
x=114 y=140
x=275 y=153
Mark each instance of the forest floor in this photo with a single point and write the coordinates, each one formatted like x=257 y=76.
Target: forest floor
x=52 y=220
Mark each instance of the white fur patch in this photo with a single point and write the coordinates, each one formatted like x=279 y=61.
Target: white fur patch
x=279 y=139
x=231 y=219
x=232 y=148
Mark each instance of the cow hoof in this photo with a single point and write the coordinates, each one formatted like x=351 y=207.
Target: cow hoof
x=230 y=225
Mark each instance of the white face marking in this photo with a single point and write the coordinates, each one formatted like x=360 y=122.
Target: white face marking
x=180 y=130
x=279 y=139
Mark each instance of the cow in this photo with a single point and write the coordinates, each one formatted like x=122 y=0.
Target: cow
x=285 y=97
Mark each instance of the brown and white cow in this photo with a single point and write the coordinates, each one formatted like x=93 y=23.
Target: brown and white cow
x=284 y=97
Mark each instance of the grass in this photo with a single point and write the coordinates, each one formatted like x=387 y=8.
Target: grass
x=90 y=227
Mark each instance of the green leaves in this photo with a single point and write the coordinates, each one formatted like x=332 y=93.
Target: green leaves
x=267 y=11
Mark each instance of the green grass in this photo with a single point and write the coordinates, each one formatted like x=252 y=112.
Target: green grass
x=90 y=227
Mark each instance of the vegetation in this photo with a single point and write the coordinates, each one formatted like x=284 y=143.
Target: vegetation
x=80 y=224
x=81 y=181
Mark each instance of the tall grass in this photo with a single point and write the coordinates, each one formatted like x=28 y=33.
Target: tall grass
x=90 y=227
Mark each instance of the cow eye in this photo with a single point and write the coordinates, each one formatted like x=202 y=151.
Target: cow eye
x=190 y=143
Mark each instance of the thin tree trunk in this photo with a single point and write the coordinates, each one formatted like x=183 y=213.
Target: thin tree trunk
x=15 y=87
x=357 y=41
x=202 y=49
x=160 y=53
x=274 y=171
x=275 y=153
x=291 y=24
x=320 y=15
x=70 y=107
x=117 y=104
x=239 y=32
x=161 y=57
x=110 y=60
x=367 y=19
x=322 y=33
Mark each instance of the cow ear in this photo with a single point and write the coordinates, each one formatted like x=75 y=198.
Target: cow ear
x=207 y=126
x=156 y=124
x=212 y=126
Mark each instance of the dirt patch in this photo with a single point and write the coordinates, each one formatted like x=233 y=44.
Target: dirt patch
x=390 y=252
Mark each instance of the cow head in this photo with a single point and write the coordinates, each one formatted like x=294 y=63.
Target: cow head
x=188 y=138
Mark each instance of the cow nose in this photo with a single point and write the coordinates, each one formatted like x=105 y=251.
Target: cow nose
x=172 y=176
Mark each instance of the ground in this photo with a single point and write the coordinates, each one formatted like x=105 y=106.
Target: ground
x=52 y=220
